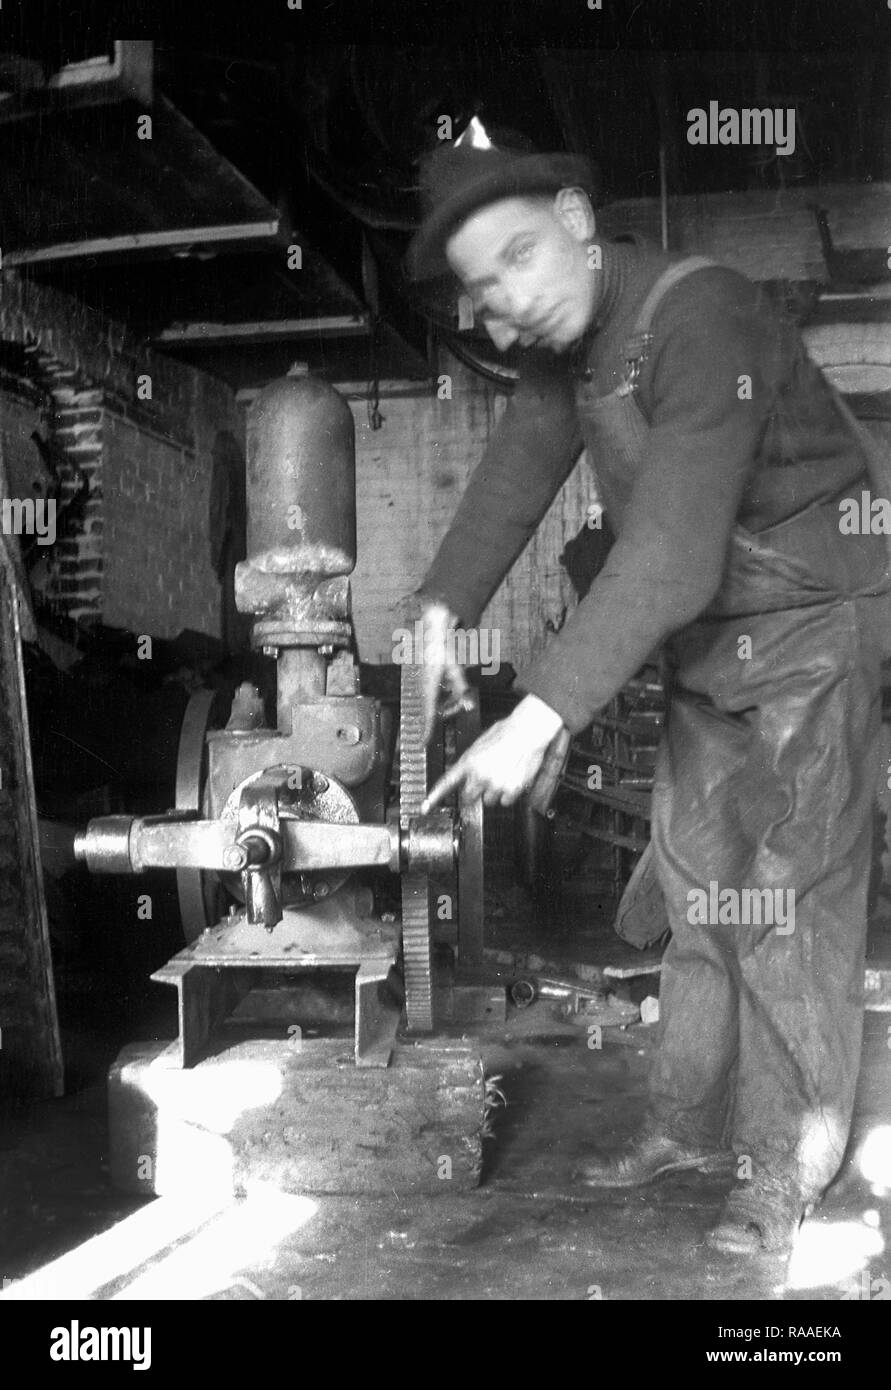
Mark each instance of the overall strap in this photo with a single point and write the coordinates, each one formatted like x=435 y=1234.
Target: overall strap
x=667 y=280
x=876 y=460
x=639 y=343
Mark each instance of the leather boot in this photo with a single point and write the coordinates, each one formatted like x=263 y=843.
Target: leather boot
x=760 y=1218
x=651 y=1158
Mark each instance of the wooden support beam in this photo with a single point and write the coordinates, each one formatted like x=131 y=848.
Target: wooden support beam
x=264 y=331
x=130 y=71
x=182 y=237
x=358 y=390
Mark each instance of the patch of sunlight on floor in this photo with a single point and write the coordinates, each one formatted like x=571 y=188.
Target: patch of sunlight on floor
x=173 y=1248
x=829 y=1252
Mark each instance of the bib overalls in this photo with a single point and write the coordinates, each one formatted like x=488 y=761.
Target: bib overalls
x=765 y=780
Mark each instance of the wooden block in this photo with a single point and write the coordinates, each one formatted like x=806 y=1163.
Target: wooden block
x=302 y=1118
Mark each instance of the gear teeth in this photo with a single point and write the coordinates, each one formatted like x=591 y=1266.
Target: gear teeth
x=416 y=949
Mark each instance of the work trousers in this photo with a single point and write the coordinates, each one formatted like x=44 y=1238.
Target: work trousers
x=766 y=779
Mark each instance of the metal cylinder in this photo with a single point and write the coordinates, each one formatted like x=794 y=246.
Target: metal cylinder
x=302 y=675
x=301 y=479
x=105 y=845
x=523 y=993
x=428 y=843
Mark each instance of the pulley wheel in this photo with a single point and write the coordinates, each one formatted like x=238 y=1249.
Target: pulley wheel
x=199 y=893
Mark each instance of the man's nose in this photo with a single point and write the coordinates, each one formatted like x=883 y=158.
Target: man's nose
x=502 y=335
x=521 y=301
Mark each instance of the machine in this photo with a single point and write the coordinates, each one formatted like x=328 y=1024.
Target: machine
x=276 y=826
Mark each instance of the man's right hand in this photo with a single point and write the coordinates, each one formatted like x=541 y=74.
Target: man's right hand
x=440 y=672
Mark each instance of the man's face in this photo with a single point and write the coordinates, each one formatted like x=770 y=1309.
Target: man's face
x=524 y=263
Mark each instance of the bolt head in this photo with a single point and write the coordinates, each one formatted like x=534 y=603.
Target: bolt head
x=235 y=858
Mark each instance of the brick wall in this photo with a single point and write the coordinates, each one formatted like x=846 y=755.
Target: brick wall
x=158 y=577
x=96 y=350
x=768 y=234
x=75 y=585
x=20 y=415
x=139 y=556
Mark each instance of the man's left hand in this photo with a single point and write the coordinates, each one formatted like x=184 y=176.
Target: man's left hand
x=505 y=760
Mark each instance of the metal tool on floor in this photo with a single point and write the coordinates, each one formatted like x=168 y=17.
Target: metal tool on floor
x=525 y=992
x=575 y=998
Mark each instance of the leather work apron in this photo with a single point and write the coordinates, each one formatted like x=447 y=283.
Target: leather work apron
x=765 y=780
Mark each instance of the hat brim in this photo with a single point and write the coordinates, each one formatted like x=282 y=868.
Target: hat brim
x=534 y=173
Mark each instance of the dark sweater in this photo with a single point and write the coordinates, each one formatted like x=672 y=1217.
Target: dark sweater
x=712 y=458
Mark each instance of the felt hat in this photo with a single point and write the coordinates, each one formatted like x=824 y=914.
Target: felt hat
x=466 y=174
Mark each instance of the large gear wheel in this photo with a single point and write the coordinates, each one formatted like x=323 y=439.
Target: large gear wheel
x=416 y=947
x=416 y=913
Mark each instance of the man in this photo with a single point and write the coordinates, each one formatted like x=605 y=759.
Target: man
x=721 y=456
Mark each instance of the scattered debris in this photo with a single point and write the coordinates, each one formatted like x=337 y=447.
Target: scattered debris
x=649 y=1009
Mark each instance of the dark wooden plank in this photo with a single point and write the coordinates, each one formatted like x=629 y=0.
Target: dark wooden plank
x=30 y=1044
x=230 y=288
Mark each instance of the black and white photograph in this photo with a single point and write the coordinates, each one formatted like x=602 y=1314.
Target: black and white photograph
x=445 y=670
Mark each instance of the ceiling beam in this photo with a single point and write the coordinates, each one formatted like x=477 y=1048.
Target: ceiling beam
x=183 y=237
x=359 y=390
x=131 y=71
x=264 y=331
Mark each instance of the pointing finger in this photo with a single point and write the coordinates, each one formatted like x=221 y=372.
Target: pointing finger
x=453 y=778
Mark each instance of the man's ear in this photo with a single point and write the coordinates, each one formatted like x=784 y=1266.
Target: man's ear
x=573 y=207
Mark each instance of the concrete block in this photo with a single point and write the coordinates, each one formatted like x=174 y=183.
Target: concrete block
x=303 y=1118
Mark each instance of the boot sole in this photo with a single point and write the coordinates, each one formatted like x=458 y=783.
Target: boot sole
x=717 y=1163
x=728 y=1241
x=775 y=1236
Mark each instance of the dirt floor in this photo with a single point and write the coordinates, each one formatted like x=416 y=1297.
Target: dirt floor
x=526 y=1233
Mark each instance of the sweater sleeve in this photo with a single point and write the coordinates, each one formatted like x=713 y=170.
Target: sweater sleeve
x=711 y=393
x=528 y=458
